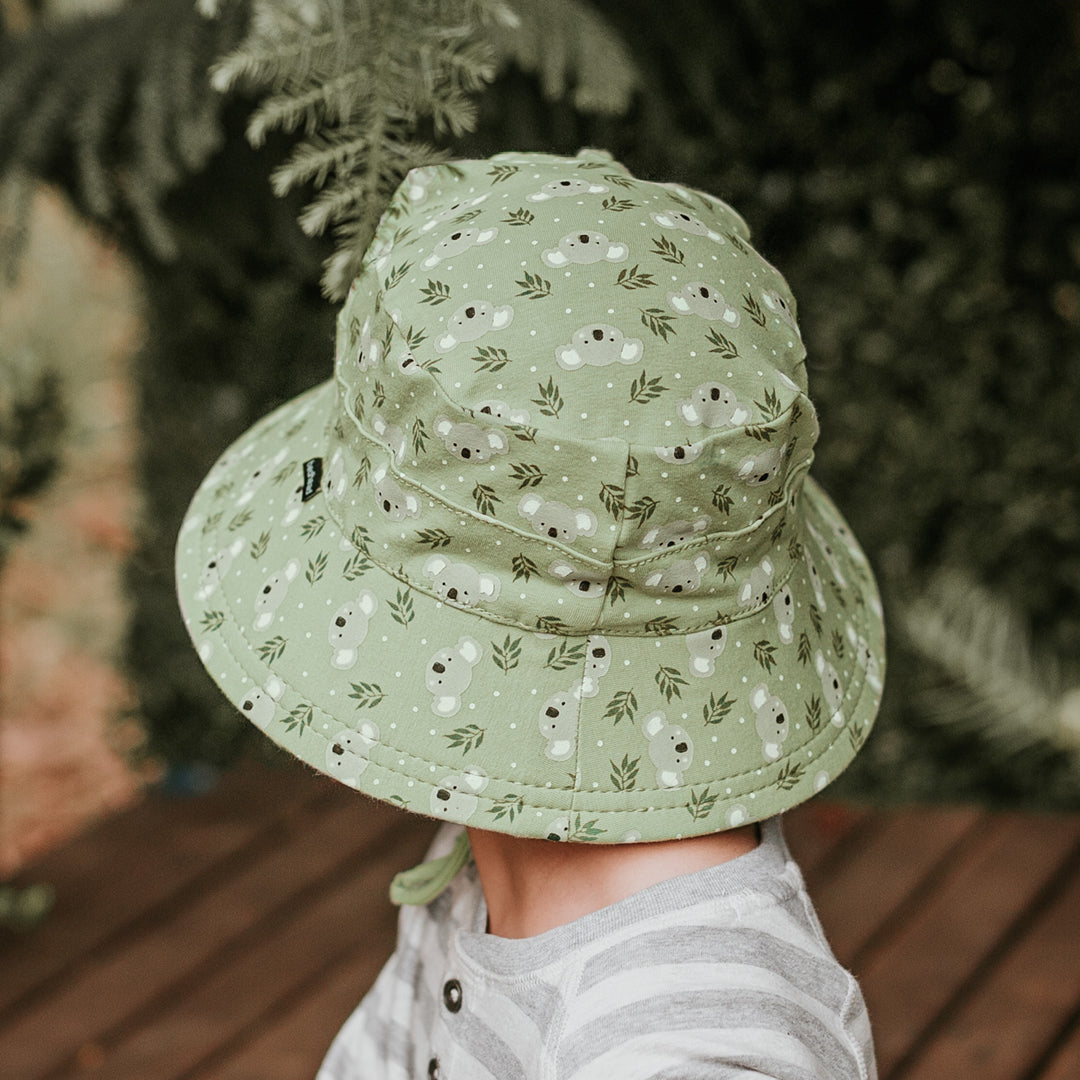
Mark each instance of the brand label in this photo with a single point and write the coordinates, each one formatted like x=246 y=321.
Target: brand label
x=312 y=478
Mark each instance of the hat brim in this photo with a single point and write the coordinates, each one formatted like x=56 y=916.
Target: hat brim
x=582 y=738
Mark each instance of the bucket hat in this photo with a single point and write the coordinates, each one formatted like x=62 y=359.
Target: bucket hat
x=544 y=556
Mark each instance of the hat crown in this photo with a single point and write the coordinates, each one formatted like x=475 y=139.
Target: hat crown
x=571 y=400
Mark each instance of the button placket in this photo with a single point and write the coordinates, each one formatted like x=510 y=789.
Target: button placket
x=452 y=995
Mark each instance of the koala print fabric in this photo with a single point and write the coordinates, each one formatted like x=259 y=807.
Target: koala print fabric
x=549 y=529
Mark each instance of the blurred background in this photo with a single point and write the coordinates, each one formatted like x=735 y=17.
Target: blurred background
x=186 y=189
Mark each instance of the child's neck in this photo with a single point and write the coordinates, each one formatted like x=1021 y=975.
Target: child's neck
x=536 y=885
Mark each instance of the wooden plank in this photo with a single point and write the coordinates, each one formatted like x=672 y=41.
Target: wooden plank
x=130 y=980
x=867 y=892
x=913 y=976
x=122 y=868
x=1012 y=1019
x=1064 y=1063
x=816 y=830
x=292 y=1044
x=196 y=1030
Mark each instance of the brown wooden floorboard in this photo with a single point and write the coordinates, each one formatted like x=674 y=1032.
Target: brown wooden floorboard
x=951 y=937
x=1004 y=1028
x=228 y=937
x=878 y=874
x=134 y=861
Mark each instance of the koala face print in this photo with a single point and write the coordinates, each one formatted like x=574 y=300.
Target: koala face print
x=673 y=533
x=269 y=598
x=670 y=749
x=558 y=719
x=830 y=687
x=334 y=484
x=391 y=498
x=378 y=254
x=558 y=829
x=470 y=442
x=556 y=520
x=502 y=411
x=259 y=705
x=294 y=505
x=784 y=607
x=714 y=405
x=456 y=242
x=762 y=468
x=418 y=181
x=704 y=300
x=452 y=211
x=578 y=582
x=757 y=587
x=472 y=321
x=460 y=583
x=391 y=436
x=815 y=579
x=865 y=658
x=687 y=223
x=407 y=363
x=449 y=674
x=216 y=567
x=598 y=345
x=679 y=455
x=584 y=248
x=369 y=351
x=774 y=302
x=257 y=477
x=347 y=752
x=704 y=647
x=771 y=719
x=455 y=797
x=830 y=556
x=682 y=576
x=597 y=665
x=558 y=189
x=348 y=628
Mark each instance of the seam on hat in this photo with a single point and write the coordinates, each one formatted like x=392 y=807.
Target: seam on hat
x=631 y=448
x=572 y=792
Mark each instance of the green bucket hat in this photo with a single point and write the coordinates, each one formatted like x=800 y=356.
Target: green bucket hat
x=544 y=556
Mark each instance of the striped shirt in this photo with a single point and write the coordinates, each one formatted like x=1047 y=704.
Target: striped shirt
x=717 y=974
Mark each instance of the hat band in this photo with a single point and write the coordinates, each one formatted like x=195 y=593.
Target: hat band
x=503 y=569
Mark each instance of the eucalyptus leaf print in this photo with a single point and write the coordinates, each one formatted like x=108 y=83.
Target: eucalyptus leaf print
x=544 y=555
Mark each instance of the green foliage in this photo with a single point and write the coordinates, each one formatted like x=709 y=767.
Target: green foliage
x=360 y=79
x=31 y=428
x=121 y=104
x=910 y=166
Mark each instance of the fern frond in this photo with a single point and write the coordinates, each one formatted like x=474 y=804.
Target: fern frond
x=359 y=78
x=271 y=63
x=573 y=51
x=319 y=158
x=330 y=206
x=996 y=684
x=124 y=98
x=325 y=103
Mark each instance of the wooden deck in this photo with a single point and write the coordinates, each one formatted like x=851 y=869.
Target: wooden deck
x=227 y=937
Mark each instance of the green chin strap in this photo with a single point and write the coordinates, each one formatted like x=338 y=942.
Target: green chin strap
x=423 y=883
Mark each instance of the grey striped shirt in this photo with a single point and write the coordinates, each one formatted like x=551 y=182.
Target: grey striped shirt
x=718 y=974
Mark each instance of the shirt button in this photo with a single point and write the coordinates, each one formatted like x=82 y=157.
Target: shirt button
x=433 y=1069
x=451 y=995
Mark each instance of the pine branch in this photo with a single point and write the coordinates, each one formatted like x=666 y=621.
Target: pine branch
x=997 y=684
x=359 y=79
x=124 y=99
x=574 y=52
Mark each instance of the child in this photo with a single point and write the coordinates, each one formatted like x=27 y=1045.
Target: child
x=544 y=560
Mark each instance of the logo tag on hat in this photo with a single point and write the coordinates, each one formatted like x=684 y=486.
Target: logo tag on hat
x=312 y=478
